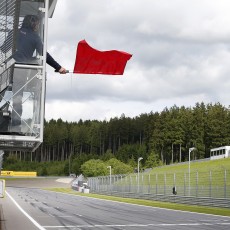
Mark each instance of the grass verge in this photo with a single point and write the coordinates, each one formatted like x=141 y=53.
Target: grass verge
x=174 y=206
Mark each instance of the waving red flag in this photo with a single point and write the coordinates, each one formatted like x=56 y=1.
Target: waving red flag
x=92 y=61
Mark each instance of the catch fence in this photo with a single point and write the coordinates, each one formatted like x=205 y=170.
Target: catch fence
x=210 y=188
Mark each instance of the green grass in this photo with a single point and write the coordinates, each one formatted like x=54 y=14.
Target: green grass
x=174 y=206
x=203 y=166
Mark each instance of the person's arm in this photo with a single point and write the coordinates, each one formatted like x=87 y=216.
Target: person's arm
x=50 y=61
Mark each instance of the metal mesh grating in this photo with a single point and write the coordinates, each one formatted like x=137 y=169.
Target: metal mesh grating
x=9 y=16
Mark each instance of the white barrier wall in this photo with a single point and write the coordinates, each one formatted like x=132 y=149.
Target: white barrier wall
x=2 y=188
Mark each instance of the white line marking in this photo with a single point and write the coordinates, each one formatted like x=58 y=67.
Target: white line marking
x=134 y=225
x=25 y=213
x=78 y=215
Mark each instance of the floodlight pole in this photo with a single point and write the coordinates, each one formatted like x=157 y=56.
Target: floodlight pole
x=138 y=172
x=189 y=153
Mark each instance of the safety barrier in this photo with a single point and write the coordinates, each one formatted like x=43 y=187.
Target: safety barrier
x=19 y=174
x=2 y=189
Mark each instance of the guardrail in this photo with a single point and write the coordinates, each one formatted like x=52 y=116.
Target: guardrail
x=1 y=159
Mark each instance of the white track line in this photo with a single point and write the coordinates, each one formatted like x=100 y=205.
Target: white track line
x=138 y=225
x=25 y=213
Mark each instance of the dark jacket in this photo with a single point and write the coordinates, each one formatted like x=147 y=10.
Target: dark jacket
x=27 y=42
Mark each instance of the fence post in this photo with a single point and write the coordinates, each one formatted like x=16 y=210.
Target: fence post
x=126 y=184
x=210 y=183
x=149 y=184
x=130 y=183
x=225 y=183
x=184 y=184
x=196 y=183
x=156 y=183
x=142 y=178
x=174 y=179
x=164 y=183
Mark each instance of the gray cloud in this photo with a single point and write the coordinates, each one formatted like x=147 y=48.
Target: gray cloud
x=180 y=54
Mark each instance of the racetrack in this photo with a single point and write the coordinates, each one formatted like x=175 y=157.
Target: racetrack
x=40 y=182
x=29 y=207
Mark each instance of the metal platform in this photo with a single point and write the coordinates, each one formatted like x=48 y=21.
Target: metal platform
x=22 y=85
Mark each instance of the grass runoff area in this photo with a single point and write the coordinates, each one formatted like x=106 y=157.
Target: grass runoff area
x=174 y=206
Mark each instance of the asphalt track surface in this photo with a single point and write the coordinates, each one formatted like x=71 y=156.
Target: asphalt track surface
x=28 y=207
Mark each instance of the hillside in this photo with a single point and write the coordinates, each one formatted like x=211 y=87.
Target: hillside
x=206 y=178
x=195 y=166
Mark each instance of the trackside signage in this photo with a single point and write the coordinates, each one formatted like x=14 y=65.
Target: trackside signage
x=20 y=174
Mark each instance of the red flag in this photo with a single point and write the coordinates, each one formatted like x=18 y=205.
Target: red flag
x=92 y=61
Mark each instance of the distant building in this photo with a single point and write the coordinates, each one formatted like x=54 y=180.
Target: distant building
x=220 y=152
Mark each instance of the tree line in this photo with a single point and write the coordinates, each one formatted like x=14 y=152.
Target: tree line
x=159 y=137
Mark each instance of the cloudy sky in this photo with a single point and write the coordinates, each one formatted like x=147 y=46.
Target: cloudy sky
x=180 y=48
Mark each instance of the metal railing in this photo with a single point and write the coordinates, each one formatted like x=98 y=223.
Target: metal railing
x=1 y=160
x=204 y=188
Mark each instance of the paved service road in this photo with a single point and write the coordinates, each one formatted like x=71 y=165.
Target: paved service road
x=50 y=210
